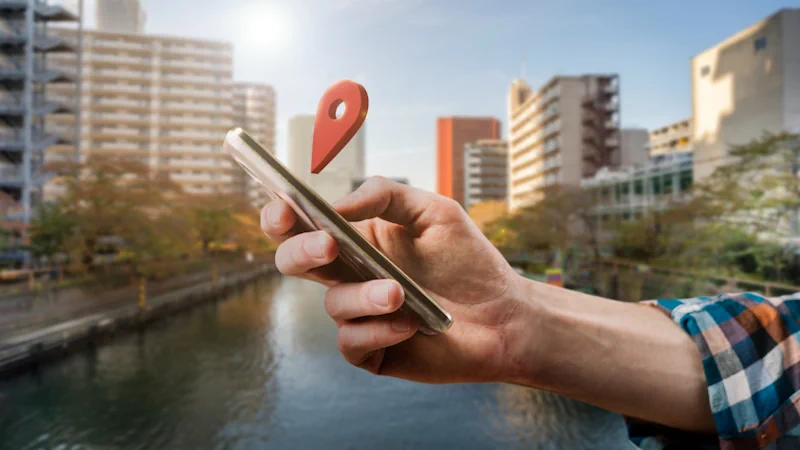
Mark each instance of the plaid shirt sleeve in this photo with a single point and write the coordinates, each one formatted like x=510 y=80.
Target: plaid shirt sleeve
x=750 y=347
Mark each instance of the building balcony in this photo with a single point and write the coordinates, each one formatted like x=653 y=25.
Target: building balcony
x=15 y=9
x=12 y=144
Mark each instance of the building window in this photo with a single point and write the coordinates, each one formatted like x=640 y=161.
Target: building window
x=760 y=43
x=705 y=70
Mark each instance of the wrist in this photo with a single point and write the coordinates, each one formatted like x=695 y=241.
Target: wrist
x=527 y=344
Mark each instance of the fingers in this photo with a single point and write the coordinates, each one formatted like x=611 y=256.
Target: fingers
x=305 y=252
x=359 y=341
x=354 y=300
x=389 y=200
x=277 y=220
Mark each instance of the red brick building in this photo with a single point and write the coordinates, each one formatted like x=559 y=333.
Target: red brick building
x=452 y=133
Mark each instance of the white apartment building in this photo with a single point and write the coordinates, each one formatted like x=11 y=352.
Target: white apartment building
x=337 y=179
x=254 y=111
x=671 y=139
x=745 y=85
x=165 y=101
x=120 y=16
x=485 y=171
x=565 y=131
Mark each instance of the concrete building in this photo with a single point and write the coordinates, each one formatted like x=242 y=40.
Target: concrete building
x=634 y=146
x=28 y=48
x=565 y=131
x=452 y=134
x=671 y=139
x=485 y=171
x=254 y=110
x=630 y=192
x=165 y=101
x=120 y=16
x=336 y=180
x=745 y=85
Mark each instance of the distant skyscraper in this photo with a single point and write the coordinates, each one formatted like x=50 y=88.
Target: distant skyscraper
x=254 y=111
x=746 y=85
x=120 y=16
x=164 y=101
x=452 y=134
x=485 y=171
x=563 y=132
x=336 y=180
x=633 y=146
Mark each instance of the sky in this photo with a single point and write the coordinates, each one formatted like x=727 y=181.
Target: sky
x=422 y=59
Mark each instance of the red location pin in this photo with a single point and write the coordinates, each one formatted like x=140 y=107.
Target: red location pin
x=332 y=134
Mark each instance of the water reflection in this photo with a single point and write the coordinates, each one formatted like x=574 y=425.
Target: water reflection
x=261 y=370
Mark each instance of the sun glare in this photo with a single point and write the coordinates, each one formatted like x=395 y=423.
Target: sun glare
x=264 y=27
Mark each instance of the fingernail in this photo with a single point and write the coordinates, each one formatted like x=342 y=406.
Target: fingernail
x=316 y=247
x=402 y=324
x=274 y=215
x=379 y=293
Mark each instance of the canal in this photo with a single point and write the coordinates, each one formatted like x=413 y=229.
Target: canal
x=260 y=370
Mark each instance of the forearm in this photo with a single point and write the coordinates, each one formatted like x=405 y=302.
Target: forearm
x=624 y=357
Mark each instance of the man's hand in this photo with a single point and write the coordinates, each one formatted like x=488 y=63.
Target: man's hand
x=433 y=240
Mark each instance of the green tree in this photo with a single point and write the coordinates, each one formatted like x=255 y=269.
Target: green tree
x=51 y=229
x=758 y=189
x=119 y=203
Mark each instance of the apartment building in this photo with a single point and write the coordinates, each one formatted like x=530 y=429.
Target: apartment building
x=745 y=85
x=254 y=110
x=634 y=146
x=452 y=134
x=561 y=133
x=337 y=180
x=165 y=101
x=485 y=171
x=674 y=138
x=120 y=16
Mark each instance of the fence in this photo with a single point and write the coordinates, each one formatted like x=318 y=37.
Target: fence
x=631 y=281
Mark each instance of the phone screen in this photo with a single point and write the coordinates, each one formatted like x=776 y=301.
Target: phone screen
x=314 y=213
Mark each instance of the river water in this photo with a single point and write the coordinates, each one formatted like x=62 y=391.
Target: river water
x=260 y=370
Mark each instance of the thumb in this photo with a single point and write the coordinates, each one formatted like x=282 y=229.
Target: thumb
x=389 y=200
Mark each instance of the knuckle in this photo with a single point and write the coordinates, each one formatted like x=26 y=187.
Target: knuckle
x=331 y=305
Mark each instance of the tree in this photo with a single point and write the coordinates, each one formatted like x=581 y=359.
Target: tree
x=758 y=189
x=51 y=229
x=487 y=212
x=563 y=219
x=119 y=203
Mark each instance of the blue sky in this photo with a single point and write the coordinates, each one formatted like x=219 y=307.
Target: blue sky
x=420 y=59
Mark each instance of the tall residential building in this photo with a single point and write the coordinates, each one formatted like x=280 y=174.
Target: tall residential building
x=671 y=139
x=452 y=134
x=27 y=48
x=485 y=171
x=120 y=16
x=745 y=85
x=634 y=146
x=254 y=110
x=165 y=101
x=565 y=131
x=336 y=180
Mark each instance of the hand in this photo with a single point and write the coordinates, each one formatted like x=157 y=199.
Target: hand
x=432 y=240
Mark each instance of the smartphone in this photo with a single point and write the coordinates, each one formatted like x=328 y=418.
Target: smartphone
x=356 y=253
